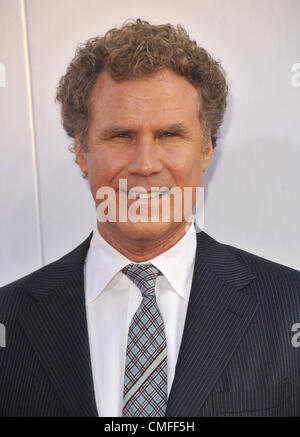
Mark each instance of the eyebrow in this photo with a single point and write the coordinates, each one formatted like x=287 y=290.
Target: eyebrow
x=178 y=128
x=175 y=128
x=114 y=130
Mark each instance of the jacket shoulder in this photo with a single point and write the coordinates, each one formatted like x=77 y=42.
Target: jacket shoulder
x=12 y=294
x=274 y=284
x=263 y=266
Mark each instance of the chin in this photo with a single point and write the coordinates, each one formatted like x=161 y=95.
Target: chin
x=145 y=230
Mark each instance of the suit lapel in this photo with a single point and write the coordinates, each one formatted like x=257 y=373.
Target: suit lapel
x=220 y=311
x=54 y=321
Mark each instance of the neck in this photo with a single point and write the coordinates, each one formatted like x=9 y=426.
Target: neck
x=143 y=249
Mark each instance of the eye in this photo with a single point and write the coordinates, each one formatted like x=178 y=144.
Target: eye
x=121 y=136
x=169 y=134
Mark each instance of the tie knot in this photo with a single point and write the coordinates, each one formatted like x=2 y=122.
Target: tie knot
x=144 y=276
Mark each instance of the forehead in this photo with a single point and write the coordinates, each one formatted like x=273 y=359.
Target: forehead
x=160 y=93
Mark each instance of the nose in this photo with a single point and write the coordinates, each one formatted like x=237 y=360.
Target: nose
x=145 y=158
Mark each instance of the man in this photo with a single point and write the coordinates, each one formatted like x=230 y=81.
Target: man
x=148 y=317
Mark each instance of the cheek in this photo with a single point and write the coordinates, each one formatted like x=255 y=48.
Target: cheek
x=103 y=168
x=186 y=169
x=96 y=171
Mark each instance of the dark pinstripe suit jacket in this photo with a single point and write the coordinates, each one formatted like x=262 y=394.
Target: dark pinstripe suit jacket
x=236 y=356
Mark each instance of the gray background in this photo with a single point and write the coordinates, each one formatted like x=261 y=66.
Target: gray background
x=252 y=185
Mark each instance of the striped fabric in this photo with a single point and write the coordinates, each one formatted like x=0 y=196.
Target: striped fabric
x=145 y=380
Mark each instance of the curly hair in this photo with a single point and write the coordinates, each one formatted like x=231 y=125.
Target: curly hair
x=135 y=50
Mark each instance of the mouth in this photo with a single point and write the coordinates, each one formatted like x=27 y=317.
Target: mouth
x=142 y=195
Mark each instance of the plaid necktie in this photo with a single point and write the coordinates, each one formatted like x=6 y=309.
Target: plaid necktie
x=145 y=382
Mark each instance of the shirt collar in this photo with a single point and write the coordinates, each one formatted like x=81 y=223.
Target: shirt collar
x=103 y=262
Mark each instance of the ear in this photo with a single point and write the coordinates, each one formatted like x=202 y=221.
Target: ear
x=207 y=154
x=80 y=154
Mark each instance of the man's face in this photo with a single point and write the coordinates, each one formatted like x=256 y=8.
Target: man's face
x=147 y=131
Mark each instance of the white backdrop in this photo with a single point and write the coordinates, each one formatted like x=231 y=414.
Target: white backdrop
x=252 y=185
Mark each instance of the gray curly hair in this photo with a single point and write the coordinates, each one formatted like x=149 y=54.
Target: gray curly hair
x=134 y=50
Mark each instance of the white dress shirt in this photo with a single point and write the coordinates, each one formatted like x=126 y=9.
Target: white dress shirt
x=111 y=302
